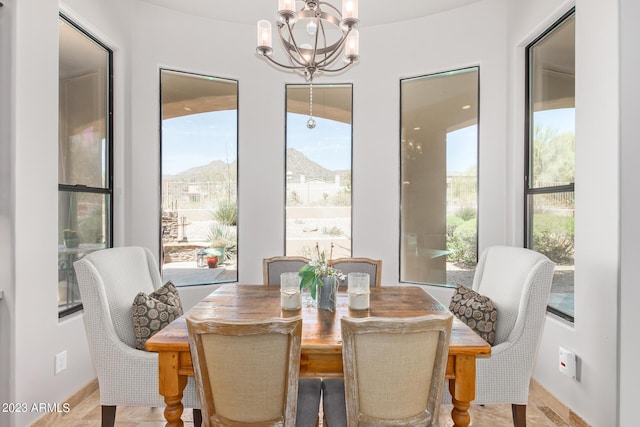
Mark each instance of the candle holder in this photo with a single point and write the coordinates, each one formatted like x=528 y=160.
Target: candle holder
x=290 y=297
x=358 y=290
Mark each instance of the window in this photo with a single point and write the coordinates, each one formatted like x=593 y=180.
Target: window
x=84 y=155
x=199 y=167
x=550 y=162
x=318 y=170
x=439 y=178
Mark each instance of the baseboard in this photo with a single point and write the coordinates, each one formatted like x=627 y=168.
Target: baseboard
x=73 y=401
x=556 y=405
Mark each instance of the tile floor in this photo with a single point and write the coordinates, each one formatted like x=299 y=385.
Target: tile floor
x=87 y=414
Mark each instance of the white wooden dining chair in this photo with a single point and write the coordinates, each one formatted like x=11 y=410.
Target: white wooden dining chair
x=248 y=373
x=393 y=372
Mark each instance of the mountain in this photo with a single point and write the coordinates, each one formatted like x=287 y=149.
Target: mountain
x=297 y=164
x=217 y=170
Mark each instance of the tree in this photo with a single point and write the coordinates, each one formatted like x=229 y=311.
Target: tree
x=553 y=157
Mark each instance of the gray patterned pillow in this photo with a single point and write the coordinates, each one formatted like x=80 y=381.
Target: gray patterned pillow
x=153 y=312
x=477 y=311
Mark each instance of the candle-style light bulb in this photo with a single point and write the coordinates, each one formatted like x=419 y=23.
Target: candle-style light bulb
x=264 y=37
x=350 y=9
x=352 y=46
x=286 y=5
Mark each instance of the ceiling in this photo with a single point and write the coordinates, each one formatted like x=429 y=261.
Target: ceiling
x=378 y=12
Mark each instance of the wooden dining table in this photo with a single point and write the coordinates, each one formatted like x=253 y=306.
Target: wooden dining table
x=321 y=354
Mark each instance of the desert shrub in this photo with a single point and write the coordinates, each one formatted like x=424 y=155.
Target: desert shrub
x=332 y=231
x=342 y=198
x=462 y=241
x=467 y=213
x=227 y=213
x=294 y=199
x=453 y=222
x=221 y=235
x=553 y=236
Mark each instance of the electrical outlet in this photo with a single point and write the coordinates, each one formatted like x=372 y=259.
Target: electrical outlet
x=567 y=362
x=60 y=362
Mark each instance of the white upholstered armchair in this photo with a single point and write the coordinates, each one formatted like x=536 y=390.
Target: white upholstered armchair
x=518 y=281
x=109 y=280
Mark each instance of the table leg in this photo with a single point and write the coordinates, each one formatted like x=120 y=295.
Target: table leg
x=463 y=390
x=171 y=386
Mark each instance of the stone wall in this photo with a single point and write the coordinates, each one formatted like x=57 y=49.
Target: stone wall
x=181 y=252
x=169 y=226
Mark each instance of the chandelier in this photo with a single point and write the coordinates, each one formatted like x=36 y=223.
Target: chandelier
x=313 y=39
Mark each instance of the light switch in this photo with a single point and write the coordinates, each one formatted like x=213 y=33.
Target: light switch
x=567 y=362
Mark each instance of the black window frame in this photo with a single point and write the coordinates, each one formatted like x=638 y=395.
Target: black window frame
x=161 y=253
x=108 y=189
x=286 y=125
x=477 y=68
x=528 y=191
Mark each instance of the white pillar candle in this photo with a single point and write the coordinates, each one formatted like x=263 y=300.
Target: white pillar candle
x=290 y=299
x=358 y=300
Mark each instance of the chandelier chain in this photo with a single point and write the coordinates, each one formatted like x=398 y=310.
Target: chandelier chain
x=311 y=123
x=311 y=99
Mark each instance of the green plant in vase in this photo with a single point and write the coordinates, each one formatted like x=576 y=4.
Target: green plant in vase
x=321 y=279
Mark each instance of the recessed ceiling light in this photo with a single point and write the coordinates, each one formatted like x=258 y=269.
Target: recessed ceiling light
x=417 y=128
x=187 y=109
x=466 y=107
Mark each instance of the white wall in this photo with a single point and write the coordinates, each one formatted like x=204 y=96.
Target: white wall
x=167 y=39
x=630 y=205
x=593 y=336
x=6 y=208
x=37 y=334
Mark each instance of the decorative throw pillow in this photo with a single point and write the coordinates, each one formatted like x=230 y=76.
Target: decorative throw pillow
x=477 y=311
x=153 y=312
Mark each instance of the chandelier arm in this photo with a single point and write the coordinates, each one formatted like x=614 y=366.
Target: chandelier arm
x=289 y=67
x=335 y=54
x=324 y=3
x=319 y=26
x=291 y=43
x=335 y=70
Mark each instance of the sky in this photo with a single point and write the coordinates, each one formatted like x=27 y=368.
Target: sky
x=462 y=144
x=562 y=119
x=328 y=144
x=462 y=149
x=198 y=139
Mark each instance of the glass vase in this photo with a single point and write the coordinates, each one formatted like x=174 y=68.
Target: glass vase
x=326 y=294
